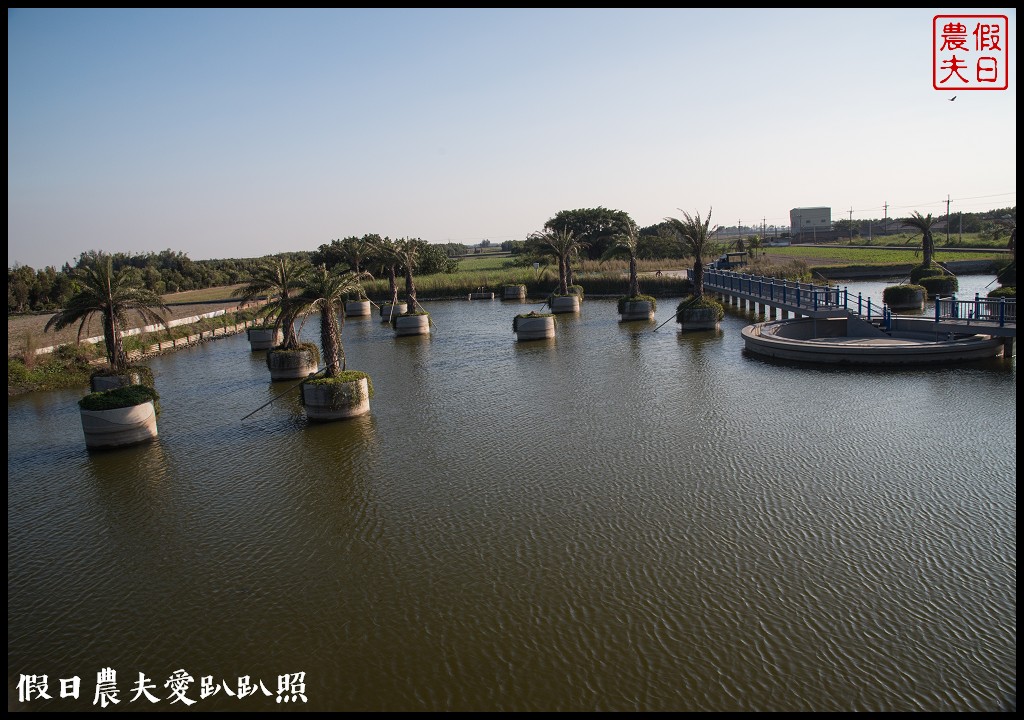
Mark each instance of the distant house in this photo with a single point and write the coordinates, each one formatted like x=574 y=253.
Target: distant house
x=811 y=224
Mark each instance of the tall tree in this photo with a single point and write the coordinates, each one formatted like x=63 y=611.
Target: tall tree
x=325 y=291
x=592 y=227
x=695 y=235
x=278 y=279
x=562 y=244
x=113 y=295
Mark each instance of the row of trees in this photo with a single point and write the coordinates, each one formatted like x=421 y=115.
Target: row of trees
x=165 y=272
x=597 y=232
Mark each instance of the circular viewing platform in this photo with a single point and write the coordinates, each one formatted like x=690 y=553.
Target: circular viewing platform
x=842 y=341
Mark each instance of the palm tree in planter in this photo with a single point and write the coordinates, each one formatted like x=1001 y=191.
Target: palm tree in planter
x=280 y=279
x=562 y=244
x=633 y=306
x=340 y=393
x=929 y=274
x=415 y=320
x=696 y=312
x=121 y=408
x=356 y=252
x=386 y=254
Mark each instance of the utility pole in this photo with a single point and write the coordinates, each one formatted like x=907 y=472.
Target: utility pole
x=851 y=224
x=961 y=214
x=947 y=220
x=885 y=218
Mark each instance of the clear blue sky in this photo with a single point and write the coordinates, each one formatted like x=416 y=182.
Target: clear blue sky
x=241 y=133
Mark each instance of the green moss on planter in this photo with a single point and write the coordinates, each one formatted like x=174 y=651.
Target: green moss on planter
x=122 y=397
x=637 y=298
x=515 y=320
x=692 y=303
x=923 y=271
x=901 y=294
x=310 y=348
x=576 y=290
x=940 y=284
x=342 y=380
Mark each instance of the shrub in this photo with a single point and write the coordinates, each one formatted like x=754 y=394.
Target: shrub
x=637 y=298
x=302 y=347
x=923 y=271
x=1008 y=291
x=346 y=376
x=122 y=397
x=692 y=303
x=940 y=284
x=902 y=294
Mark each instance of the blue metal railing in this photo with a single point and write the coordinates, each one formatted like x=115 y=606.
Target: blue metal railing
x=985 y=310
x=1001 y=311
x=804 y=295
x=800 y=295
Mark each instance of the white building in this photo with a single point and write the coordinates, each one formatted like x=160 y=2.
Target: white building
x=810 y=221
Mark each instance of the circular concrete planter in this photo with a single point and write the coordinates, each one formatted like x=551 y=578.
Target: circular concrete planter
x=514 y=292
x=636 y=310
x=390 y=311
x=698 y=319
x=412 y=325
x=263 y=338
x=119 y=427
x=291 y=364
x=326 y=401
x=564 y=303
x=357 y=308
x=541 y=327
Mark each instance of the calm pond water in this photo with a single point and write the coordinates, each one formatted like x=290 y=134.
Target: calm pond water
x=616 y=519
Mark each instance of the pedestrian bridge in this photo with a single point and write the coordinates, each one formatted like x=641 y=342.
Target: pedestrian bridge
x=996 y=317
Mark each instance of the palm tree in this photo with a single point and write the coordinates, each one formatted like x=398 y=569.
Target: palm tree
x=385 y=253
x=279 y=279
x=114 y=296
x=627 y=243
x=923 y=224
x=408 y=250
x=356 y=252
x=325 y=291
x=341 y=393
x=562 y=244
x=696 y=238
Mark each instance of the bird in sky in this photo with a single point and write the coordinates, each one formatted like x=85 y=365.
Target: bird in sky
x=952 y=98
